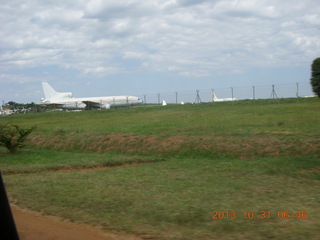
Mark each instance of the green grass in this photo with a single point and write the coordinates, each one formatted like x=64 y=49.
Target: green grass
x=247 y=117
x=32 y=161
x=243 y=156
x=175 y=199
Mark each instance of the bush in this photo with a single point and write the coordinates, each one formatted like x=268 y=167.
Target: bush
x=315 y=76
x=13 y=137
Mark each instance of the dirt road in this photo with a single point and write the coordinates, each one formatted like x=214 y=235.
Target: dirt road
x=33 y=226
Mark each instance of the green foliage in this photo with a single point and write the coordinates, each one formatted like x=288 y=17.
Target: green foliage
x=176 y=197
x=13 y=137
x=315 y=76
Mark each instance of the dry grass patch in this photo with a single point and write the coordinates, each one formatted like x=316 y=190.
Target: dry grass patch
x=240 y=146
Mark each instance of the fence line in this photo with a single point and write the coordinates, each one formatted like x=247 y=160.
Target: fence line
x=297 y=89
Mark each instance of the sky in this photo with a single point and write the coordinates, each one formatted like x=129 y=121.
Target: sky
x=134 y=47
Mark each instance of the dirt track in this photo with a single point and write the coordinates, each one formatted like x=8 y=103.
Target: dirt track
x=33 y=226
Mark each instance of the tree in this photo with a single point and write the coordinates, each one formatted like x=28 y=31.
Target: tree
x=315 y=76
x=13 y=137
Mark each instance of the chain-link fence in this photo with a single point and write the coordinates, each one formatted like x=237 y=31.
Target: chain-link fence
x=239 y=93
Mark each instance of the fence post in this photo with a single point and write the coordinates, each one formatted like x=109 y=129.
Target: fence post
x=176 y=97
x=273 y=93
x=254 y=92
x=212 y=92
x=232 y=93
x=198 y=99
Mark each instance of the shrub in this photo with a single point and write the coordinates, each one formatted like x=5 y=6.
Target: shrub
x=13 y=137
x=315 y=76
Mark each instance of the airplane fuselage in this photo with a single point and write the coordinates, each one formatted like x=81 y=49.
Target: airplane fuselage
x=94 y=102
x=216 y=99
x=66 y=101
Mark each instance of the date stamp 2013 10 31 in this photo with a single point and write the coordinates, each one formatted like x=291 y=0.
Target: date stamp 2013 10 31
x=283 y=214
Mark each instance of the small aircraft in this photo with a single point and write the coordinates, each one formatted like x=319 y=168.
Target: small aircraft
x=65 y=100
x=216 y=99
x=6 y=112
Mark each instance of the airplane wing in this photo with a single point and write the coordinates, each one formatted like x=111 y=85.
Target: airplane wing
x=95 y=105
x=53 y=105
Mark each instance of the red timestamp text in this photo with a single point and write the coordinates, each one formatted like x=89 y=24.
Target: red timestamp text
x=224 y=214
x=232 y=214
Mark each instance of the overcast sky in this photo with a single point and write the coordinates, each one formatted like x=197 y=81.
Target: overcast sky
x=107 y=47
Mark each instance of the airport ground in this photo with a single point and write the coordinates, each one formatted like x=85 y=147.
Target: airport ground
x=237 y=170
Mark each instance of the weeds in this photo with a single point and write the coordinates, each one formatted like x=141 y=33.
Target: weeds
x=13 y=137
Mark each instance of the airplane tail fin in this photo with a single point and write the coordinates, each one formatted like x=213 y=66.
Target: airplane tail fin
x=214 y=97
x=49 y=92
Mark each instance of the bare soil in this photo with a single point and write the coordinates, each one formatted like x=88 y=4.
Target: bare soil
x=33 y=226
x=81 y=169
x=269 y=144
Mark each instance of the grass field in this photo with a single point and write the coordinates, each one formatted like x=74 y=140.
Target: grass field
x=180 y=164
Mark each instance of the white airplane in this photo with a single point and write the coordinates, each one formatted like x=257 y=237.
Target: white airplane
x=66 y=101
x=216 y=99
x=6 y=112
x=164 y=103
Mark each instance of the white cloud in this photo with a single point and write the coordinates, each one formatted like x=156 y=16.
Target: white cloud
x=15 y=78
x=183 y=37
